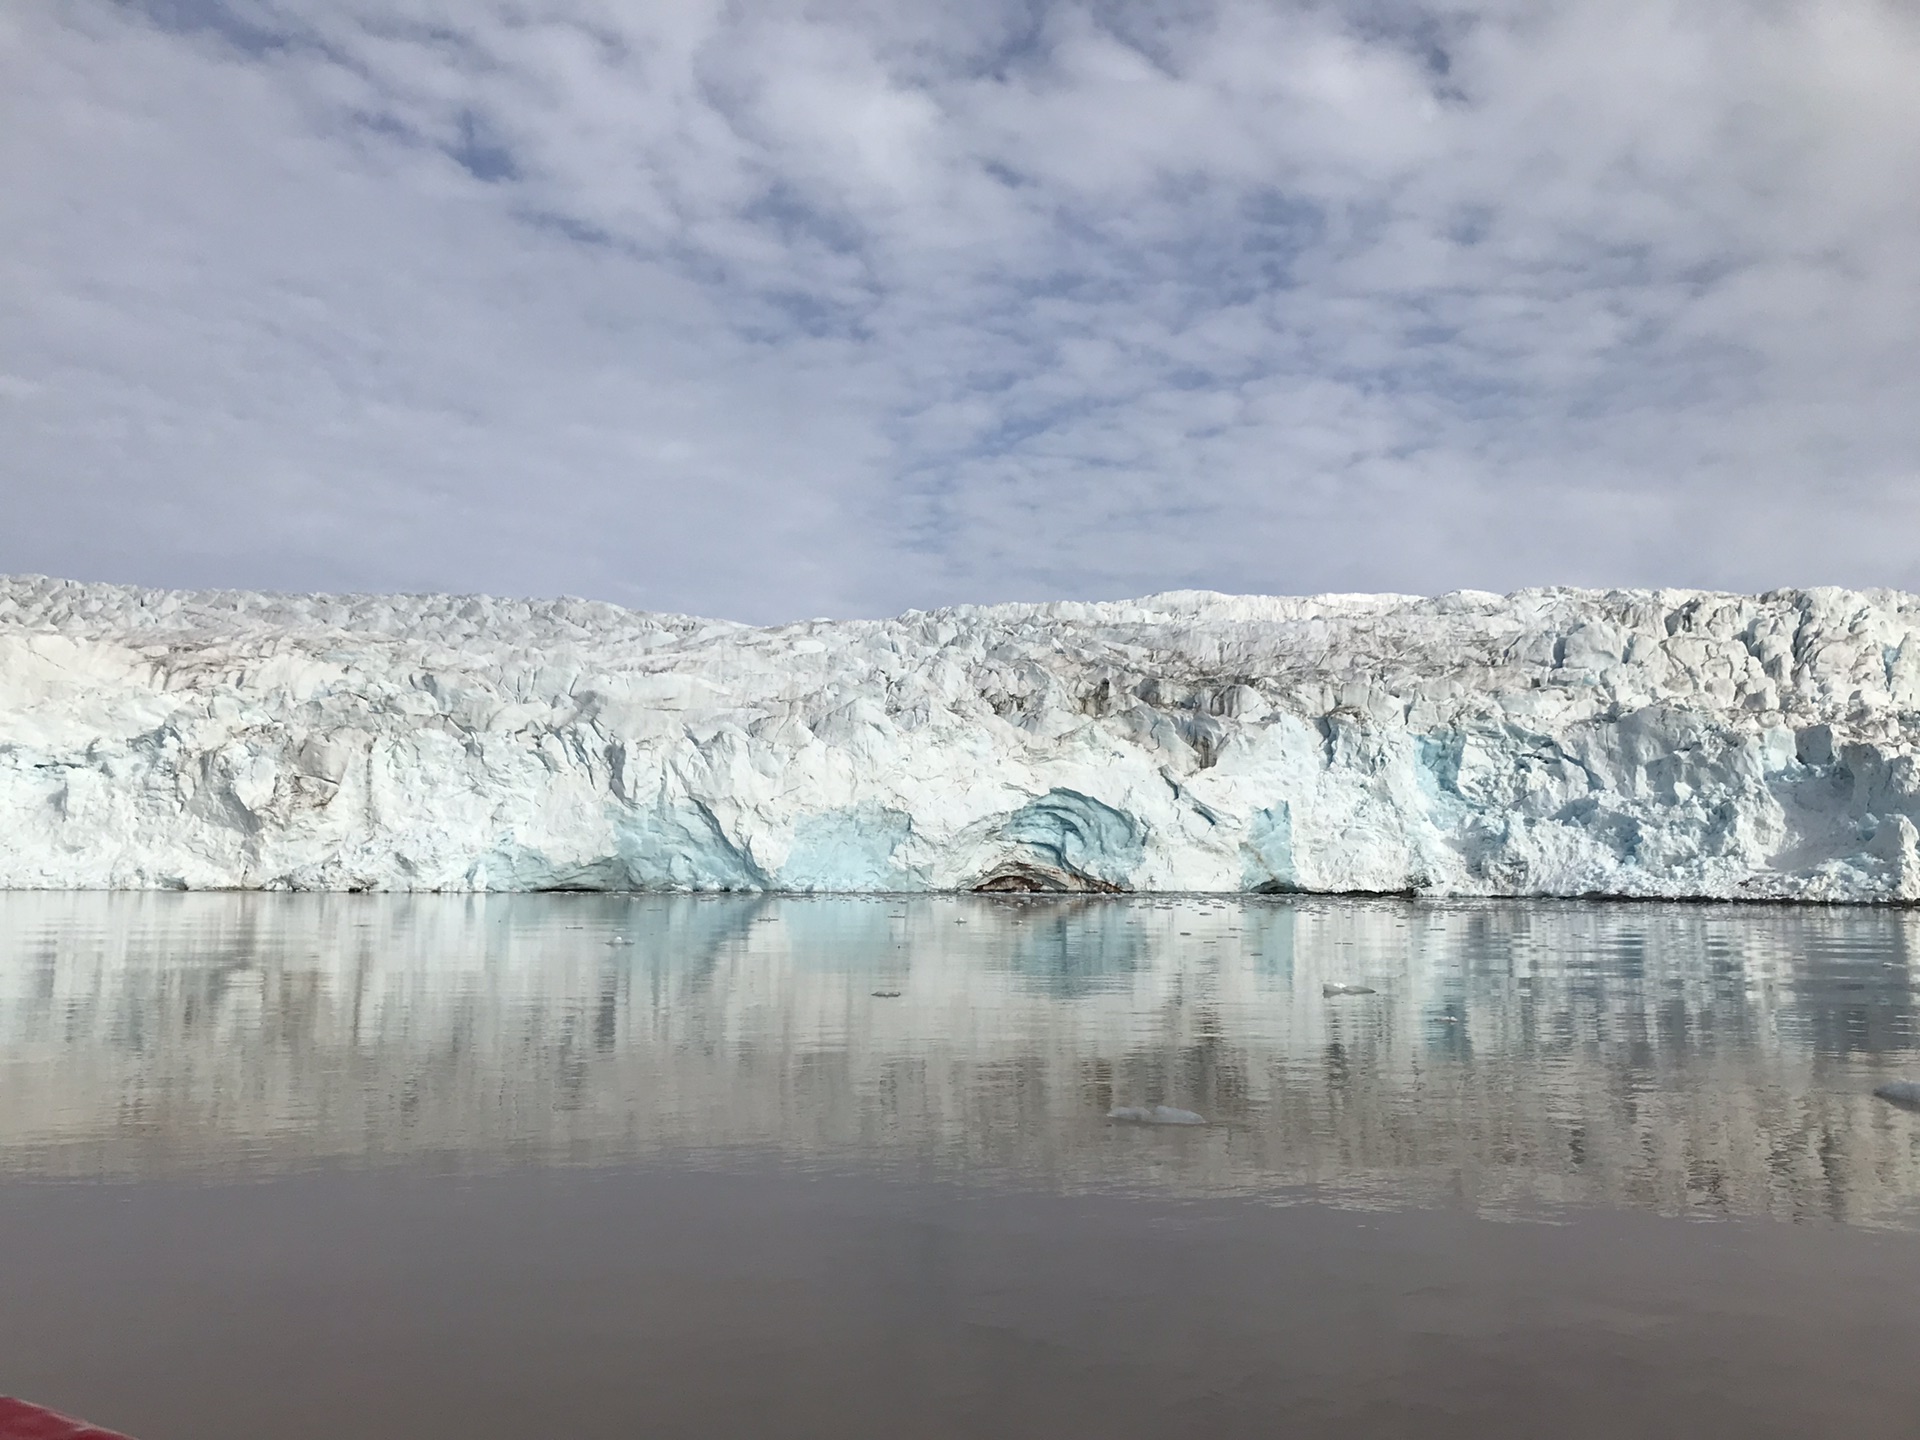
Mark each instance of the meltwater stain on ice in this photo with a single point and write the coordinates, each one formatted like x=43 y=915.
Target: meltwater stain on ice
x=1154 y=1115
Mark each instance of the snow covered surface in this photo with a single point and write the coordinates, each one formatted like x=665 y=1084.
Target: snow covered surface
x=1551 y=742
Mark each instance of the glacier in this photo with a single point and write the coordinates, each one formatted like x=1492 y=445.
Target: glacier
x=1632 y=743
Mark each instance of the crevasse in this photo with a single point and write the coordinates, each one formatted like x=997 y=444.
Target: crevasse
x=1550 y=742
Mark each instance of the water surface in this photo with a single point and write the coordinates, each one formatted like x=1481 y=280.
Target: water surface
x=322 y=1165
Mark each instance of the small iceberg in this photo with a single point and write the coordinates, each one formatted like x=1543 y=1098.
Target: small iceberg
x=1904 y=1093
x=1348 y=990
x=1154 y=1115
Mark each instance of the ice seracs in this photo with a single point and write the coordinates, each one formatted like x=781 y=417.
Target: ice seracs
x=1551 y=742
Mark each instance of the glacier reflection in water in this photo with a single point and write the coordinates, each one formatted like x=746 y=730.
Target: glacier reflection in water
x=1511 y=1056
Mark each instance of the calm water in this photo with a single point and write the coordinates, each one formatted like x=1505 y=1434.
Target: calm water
x=328 y=1166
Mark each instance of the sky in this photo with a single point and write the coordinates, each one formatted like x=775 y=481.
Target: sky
x=771 y=310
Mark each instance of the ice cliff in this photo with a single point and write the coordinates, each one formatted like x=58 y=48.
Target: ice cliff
x=1551 y=742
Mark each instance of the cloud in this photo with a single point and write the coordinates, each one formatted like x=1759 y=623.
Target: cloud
x=837 y=308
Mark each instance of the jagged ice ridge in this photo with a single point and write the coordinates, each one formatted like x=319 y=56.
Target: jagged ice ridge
x=1550 y=742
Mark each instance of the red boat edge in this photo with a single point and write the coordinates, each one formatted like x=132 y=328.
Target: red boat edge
x=21 y=1421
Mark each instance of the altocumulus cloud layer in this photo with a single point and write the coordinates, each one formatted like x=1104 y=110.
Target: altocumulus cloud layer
x=780 y=309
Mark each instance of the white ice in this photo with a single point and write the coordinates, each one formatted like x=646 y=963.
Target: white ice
x=1551 y=742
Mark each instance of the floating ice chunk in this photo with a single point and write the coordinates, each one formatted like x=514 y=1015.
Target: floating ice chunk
x=1154 y=1115
x=1904 y=1093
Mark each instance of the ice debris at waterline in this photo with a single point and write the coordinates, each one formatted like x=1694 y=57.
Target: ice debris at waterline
x=1154 y=1115
x=1552 y=742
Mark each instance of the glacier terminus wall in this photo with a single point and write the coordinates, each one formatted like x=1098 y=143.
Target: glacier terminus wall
x=1550 y=742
